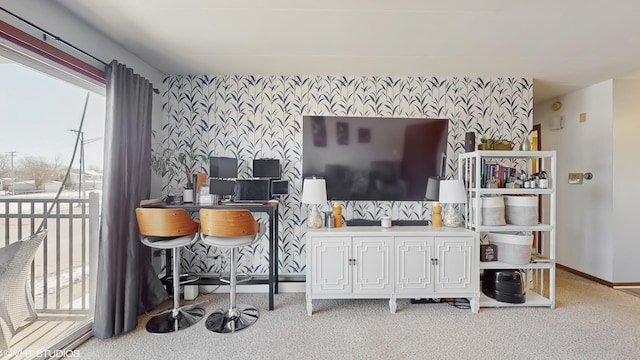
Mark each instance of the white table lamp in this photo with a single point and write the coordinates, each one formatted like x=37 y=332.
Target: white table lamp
x=452 y=193
x=314 y=191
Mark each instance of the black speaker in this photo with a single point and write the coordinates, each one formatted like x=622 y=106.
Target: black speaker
x=194 y=181
x=279 y=187
x=470 y=142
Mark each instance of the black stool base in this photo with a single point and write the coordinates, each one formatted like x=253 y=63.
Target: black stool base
x=167 y=323
x=231 y=320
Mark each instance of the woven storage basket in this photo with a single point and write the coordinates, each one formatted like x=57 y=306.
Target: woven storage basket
x=521 y=210
x=513 y=248
x=492 y=210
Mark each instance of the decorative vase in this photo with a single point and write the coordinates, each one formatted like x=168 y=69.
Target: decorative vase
x=436 y=215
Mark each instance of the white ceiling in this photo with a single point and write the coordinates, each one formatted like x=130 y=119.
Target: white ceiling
x=562 y=44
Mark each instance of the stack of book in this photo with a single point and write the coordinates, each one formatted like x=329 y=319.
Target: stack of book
x=495 y=175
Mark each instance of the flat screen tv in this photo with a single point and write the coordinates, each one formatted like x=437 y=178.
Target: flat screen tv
x=374 y=158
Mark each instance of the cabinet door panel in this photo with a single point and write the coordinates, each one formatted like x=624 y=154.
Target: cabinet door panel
x=331 y=271
x=373 y=264
x=413 y=268
x=454 y=264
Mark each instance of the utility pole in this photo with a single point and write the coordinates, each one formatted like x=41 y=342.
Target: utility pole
x=12 y=154
x=88 y=141
x=81 y=169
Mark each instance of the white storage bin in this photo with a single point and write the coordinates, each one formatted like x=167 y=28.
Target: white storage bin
x=513 y=247
x=492 y=211
x=521 y=210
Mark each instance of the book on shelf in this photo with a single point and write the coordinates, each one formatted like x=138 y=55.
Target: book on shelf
x=494 y=174
x=537 y=258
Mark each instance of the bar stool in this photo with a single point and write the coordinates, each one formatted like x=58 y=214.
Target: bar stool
x=230 y=229
x=170 y=229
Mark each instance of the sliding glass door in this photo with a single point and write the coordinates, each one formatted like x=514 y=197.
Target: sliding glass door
x=51 y=158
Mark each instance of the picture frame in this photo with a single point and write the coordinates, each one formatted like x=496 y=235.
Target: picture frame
x=342 y=133
x=319 y=131
x=364 y=135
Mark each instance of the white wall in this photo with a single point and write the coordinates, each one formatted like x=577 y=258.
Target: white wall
x=57 y=20
x=626 y=187
x=597 y=227
x=584 y=212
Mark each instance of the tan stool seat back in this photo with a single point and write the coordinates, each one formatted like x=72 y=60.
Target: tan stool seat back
x=165 y=222
x=228 y=228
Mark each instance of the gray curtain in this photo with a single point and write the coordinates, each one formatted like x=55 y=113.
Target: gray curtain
x=127 y=285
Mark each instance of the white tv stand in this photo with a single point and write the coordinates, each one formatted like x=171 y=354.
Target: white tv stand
x=402 y=262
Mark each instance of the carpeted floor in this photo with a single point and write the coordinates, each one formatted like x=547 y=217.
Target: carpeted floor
x=591 y=321
x=632 y=291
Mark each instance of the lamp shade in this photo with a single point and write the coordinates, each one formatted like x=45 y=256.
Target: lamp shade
x=433 y=189
x=452 y=192
x=314 y=191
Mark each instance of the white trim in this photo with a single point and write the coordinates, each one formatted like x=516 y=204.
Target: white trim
x=38 y=63
x=72 y=340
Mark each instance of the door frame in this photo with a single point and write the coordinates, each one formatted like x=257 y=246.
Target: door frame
x=537 y=145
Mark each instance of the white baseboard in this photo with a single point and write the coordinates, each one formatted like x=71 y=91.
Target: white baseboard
x=290 y=287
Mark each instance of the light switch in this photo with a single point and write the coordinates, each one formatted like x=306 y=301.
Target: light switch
x=575 y=178
x=583 y=117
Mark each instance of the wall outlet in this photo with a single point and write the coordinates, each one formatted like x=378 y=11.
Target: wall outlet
x=248 y=260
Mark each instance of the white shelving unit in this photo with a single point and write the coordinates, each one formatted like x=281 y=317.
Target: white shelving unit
x=540 y=275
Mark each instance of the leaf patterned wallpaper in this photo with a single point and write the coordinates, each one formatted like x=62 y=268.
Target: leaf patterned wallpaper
x=251 y=117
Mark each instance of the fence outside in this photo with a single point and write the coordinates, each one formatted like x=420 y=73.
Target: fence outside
x=61 y=279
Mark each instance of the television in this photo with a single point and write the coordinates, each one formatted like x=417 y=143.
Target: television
x=223 y=167
x=374 y=158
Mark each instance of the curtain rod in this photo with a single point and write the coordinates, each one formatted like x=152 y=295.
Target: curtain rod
x=55 y=37
x=59 y=39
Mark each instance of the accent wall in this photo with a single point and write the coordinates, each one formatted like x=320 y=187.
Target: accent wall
x=250 y=117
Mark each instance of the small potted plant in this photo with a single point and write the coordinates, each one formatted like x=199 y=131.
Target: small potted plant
x=502 y=144
x=494 y=144
x=486 y=143
x=171 y=161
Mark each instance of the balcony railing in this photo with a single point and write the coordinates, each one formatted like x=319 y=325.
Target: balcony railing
x=61 y=272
